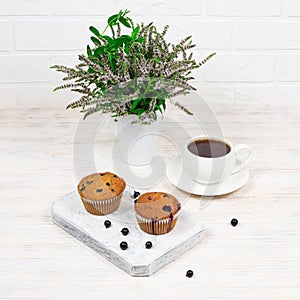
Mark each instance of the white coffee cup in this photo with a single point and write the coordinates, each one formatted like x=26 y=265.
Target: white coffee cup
x=210 y=170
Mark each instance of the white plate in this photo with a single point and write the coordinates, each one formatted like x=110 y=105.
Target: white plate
x=181 y=180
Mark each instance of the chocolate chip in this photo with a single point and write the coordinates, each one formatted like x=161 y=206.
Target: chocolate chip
x=167 y=208
x=112 y=190
x=115 y=176
x=107 y=183
x=82 y=189
x=149 y=198
x=102 y=174
x=90 y=181
x=99 y=190
x=166 y=196
x=135 y=201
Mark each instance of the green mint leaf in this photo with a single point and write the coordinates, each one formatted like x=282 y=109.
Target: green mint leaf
x=99 y=51
x=107 y=38
x=89 y=51
x=124 y=22
x=158 y=108
x=139 y=39
x=135 y=32
x=135 y=103
x=95 y=31
x=95 y=41
x=112 y=21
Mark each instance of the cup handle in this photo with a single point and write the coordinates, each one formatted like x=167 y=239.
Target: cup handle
x=245 y=162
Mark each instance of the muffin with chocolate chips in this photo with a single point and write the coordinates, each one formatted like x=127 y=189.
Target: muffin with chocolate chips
x=157 y=212
x=101 y=193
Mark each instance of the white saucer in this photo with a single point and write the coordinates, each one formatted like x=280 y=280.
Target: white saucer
x=184 y=182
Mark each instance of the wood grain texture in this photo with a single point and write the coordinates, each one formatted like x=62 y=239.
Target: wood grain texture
x=258 y=259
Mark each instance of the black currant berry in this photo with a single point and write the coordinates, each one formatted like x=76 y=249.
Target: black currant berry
x=136 y=194
x=189 y=274
x=148 y=245
x=125 y=231
x=107 y=223
x=123 y=245
x=234 y=222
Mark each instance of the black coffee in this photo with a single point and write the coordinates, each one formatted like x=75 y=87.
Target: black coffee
x=209 y=148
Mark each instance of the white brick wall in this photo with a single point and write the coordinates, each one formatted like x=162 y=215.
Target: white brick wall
x=206 y=34
x=257 y=44
x=241 y=68
x=293 y=8
x=23 y=7
x=141 y=8
x=267 y=35
x=4 y=36
x=25 y=68
x=237 y=8
x=83 y=8
x=49 y=35
x=289 y=67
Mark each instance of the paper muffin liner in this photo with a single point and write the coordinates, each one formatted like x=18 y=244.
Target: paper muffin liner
x=157 y=227
x=102 y=207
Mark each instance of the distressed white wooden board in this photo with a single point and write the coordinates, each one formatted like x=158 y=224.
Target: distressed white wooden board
x=69 y=213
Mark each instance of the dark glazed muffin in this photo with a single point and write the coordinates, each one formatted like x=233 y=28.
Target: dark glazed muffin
x=101 y=193
x=157 y=212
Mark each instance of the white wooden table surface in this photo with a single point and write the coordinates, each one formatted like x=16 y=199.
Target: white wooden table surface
x=258 y=259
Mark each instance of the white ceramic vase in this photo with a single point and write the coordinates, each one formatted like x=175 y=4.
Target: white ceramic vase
x=137 y=142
